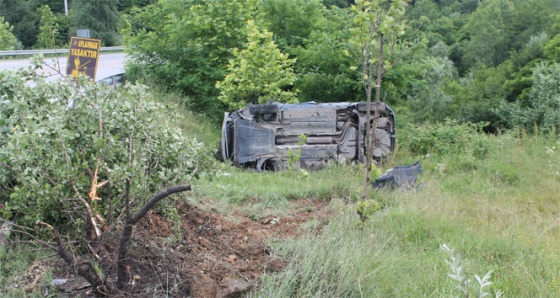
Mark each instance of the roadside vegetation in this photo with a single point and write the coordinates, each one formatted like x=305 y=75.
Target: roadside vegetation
x=491 y=198
x=497 y=209
x=84 y=162
x=475 y=90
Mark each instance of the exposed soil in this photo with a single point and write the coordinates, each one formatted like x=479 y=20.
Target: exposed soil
x=215 y=257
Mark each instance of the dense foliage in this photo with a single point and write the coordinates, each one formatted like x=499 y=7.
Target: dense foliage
x=101 y=17
x=61 y=141
x=258 y=73
x=462 y=67
x=186 y=45
x=541 y=111
x=466 y=60
x=472 y=61
x=48 y=28
x=7 y=40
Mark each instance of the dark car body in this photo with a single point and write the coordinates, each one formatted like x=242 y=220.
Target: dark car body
x=266 y=136
x=113 y=81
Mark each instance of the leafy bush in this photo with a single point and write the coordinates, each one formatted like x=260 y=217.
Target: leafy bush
x=429 y=99
x=67 y=143
x=449 y=137
x=466 y=142
x=185 y=45
x=544 y=101
x=366 y=209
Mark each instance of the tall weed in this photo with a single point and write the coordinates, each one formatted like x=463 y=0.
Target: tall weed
x=501 y=214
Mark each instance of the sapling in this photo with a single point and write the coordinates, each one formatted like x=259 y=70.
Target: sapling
x=365 y=209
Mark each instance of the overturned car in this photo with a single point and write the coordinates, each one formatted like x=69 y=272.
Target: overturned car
x=266 y=136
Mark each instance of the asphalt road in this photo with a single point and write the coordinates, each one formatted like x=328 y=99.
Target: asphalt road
x=109 y=64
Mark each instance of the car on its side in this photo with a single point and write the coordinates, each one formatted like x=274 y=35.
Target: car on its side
x=267 y=136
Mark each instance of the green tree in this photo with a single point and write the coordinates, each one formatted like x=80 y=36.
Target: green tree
x=258 y=73
x=339 y=3
x=23 y=16
x=62 y=38
x=486 y=33
x=552 y=47
x=519 y=67
x=376 y=22
x=434 y=24
x=48 y=29
x=99 y=16
x=457 y=6
x=429 y=98
x=322 y=68
x=56 y=6
x=524 y=25
x=186 y=45
x=542 y=109
x=7 y=40
x=478 y=96
x=499 y=27
x=127 y=5
x=291 y=21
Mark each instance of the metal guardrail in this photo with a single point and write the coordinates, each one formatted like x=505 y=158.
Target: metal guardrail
x=49 y=51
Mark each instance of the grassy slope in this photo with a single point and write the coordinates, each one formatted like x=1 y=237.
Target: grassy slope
x=500 y=212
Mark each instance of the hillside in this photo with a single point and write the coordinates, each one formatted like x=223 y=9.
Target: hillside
x=491 y=198
x=120 y=186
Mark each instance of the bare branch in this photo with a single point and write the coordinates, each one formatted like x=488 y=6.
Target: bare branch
x=5 y=165
x=156 y=198
x=92 y=218
x=131 y=221
x=9 y=227
x=84 y=269
x=127 y=199
x=130 y=147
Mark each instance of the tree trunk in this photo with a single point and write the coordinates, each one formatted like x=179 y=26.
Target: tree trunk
x=122 y=270
x=370 y=128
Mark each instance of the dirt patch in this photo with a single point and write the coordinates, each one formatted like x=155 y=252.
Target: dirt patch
x=211 y=256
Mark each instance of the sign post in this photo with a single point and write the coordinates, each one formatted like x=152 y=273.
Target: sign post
x=83 y=57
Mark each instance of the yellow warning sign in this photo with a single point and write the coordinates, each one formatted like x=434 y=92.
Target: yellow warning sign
x=83 y=57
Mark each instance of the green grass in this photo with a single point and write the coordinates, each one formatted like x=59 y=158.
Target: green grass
x=500 y=213
x=492 y=198
x=20 y=264
x=498 y=209
x=273 y=190
x=193 y=125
